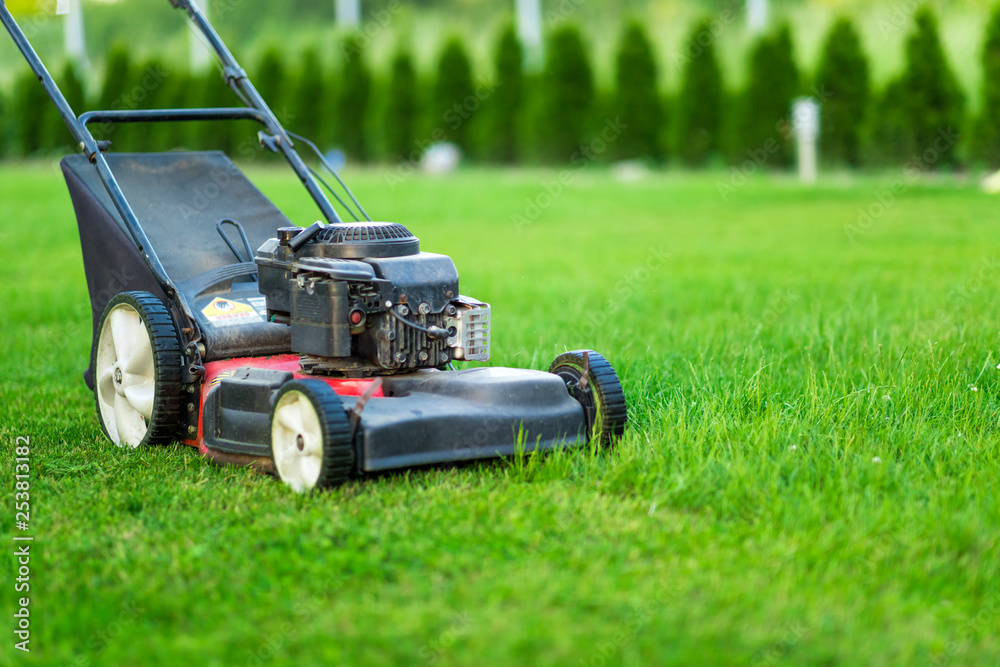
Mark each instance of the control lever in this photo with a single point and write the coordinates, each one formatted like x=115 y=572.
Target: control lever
x=305 y=235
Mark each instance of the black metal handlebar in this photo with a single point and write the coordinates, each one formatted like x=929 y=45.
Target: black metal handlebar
x=235 y=77
x=172 y=115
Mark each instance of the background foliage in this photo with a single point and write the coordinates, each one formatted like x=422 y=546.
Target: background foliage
x=886 y=95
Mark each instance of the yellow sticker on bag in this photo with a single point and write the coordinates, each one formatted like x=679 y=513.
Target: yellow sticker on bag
x=223 y=312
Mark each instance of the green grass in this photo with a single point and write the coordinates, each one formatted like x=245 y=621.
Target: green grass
x=809 y=476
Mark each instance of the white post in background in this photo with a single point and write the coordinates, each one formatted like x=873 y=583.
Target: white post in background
x=806 y=124
x=348 y=13
x=529 y=30
x=75 y=37
x=757 y=15
x=201 y=57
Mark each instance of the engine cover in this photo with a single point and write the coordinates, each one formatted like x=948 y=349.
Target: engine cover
x=362 y=299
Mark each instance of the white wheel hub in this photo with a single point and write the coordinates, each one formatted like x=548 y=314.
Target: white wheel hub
x=297 y=441
x=126 y=376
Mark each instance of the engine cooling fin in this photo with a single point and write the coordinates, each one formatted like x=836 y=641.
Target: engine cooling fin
x=365 y=239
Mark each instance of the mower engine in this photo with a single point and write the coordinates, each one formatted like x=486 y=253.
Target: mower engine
x=361 y=299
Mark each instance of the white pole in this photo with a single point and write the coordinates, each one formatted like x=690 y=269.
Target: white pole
x=348 y=13
x=806 y=124
x=807 y=161
x=529 y=30
x=757 y=15
x=201 y=58
x=75 y=36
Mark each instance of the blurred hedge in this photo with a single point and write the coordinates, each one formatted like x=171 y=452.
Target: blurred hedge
x=506 y=114
x=843 y=87
x=987 y=140
x=701 y=100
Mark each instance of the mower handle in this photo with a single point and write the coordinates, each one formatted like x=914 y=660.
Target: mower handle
x=172 y=115
x=237 y=79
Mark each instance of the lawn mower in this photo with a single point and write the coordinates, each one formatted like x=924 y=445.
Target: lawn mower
x=314 y=352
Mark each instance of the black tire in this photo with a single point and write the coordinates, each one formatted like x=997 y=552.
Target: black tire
x=602 y=399
x=328 y=440
x=160 y=414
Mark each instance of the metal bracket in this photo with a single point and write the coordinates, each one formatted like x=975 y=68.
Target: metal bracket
x=192 y=373
x=268 y=141
x=233 y=73
x=359 y=405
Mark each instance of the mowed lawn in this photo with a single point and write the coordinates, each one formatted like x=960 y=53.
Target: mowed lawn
x=809 y=476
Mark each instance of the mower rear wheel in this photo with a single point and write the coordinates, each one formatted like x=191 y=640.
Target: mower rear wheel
x=600 y=394
x=137 y=370
x=311 y=436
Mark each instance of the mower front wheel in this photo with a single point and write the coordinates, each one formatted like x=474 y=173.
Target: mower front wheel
x=592 y=381
x=311 y=436
x=137 y=369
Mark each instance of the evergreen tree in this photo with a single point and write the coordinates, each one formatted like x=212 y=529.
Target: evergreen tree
x=269 y=79
x=568 y=87
x=153 y=92
x=892 y=142
x=454 y=94
x=507 y=100
x=57 y=135
x=117 y=75
x=5 y=148
x=306 y=98
x=772 y=84
x=326 y=98
x=843 y=82
x=700 y=106
x=934 y=99
x=988 y=129
x=638 y=102
x=31 y=101
x=401 y=109
x=224 y=136
x=116 y=95
x=178 y=95
x=353 y=97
